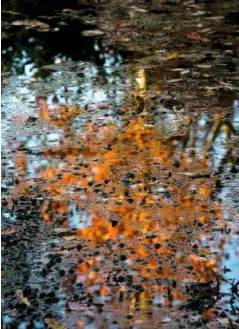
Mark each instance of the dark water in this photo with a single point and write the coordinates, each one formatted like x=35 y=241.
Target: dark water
x=35 y=8
x=24 y=47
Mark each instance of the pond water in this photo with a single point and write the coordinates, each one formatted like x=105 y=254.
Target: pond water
x=119 y=172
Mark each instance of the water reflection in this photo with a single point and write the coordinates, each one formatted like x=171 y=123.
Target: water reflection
x=131 y=195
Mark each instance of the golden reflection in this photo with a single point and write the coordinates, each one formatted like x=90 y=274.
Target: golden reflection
x=149 y=205
x=141 y=82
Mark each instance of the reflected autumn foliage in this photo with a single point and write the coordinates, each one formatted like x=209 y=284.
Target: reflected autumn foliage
x=126 y=164
x=148 y=206
x=134 y=202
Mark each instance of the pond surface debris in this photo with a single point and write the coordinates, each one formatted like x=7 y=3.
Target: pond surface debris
x=120 y=125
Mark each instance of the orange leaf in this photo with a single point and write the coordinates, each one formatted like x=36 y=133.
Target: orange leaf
x=142 y=252
x=195 y=36
x=103 y=291
x=82 y=268
x=153 y=260
x=117 y=24
x=44 y=114
x=208 y=315
x=222 y=244
x=40 y=100
x=46 y=217
x=20 y=160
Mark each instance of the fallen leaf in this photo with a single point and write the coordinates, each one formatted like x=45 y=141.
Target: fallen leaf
x=210 y=92
x=80 y=323
x=172 y=55
x=142 y=252
x=68 y=282
x=103 y=291
x=208 y=315
x=61 y=229
x=140 y=10
x=175 y=80
x=68 y=245
x=9 y=231
x=92 y=33
x=83 y=268
x=69 y=237
x=25 y=301
x=31 y=24
x=195 y=36
x=117 y=24
x=55 y=324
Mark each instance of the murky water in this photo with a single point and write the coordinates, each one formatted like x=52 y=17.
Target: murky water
x=120 y=176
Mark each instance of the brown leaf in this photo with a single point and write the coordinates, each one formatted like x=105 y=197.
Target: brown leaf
x=196 y=36
x=117 y=24
x=55 y=324
x=10 y=230
x=68 y=282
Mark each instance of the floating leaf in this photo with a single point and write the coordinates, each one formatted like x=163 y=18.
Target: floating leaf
x=142 y=252
x=208 y=315
x=25 y=301
x=196 y=36
x=117 y=24
x=92 y=33
x=173 y=55
x=31 y=24
x=83 y=268
x=209 y=92
x=103 y=291
x=9 y=231
x=69 y=237
x=55 y=324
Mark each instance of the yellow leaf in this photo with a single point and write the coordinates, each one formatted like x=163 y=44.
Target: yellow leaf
x=172 y=55
x=74 y=109
x=205 y=251
x=55 y=324
x=209 y=92
x=69 y=237
x=25 y=301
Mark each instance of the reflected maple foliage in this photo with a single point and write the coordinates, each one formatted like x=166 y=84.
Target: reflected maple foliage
x=138 y=202
x=127 y=163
